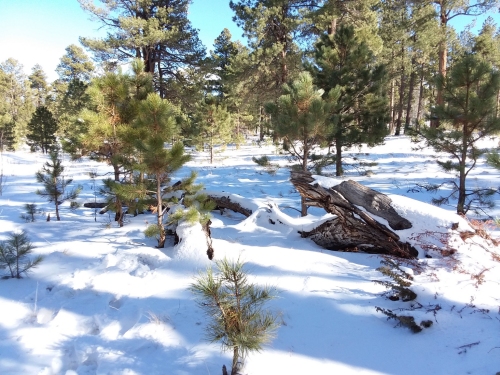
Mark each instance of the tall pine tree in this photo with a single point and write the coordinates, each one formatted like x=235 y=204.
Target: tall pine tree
x=300 y=118
x=42 y=130
x=467 y=116
x=360 y=114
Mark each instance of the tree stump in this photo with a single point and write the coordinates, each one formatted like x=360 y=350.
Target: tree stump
x=353 y=229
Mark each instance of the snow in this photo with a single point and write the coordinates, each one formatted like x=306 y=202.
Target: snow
x=106 y=301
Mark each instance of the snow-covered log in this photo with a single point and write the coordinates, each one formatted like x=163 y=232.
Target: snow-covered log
x=352 y=228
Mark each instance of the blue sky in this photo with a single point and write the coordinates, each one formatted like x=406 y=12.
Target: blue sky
x=38 y=31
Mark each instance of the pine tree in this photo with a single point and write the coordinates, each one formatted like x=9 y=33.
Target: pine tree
x=360 y=114
x=38 y=85
x=156 y=31
x=300 y=118
x=156 y=120
x=446 y=11
x=71 y=128
x=212 y=125
x=55 y=185
x=75 y=65
x=41 y=130
x=467 y=116
x=236 y=309
x=108 y=120
x=18 y=106
x=14 y=254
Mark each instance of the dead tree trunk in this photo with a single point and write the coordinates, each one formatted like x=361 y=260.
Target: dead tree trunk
x=353 y=229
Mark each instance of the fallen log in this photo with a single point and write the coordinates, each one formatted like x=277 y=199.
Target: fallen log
x=353 y=229
x=224 y=202
x=94 y=205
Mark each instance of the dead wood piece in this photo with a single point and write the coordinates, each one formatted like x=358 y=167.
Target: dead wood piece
x=373 y=201
x=95 y=205
x=225 y=202
x=352 y=229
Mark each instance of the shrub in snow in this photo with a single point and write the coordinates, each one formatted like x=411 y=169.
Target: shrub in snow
x=400 y=281
x=405 y=320
x=14 y=254
x=235 y=307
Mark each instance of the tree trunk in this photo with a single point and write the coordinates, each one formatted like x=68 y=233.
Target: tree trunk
x=338 y=156
x=353 y=229
x=420 y=97
x=236 y=357
x=443 y=57
x=159 y=215
x=391 y=125
x=401 y=94
x=411 y=88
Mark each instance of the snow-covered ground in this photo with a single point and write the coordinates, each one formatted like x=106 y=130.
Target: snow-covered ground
x=106 y=301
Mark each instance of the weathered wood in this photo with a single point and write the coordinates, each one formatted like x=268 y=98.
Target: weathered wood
x=225 y=202
x=373 y=201
x=95 y=205
x=352 y=229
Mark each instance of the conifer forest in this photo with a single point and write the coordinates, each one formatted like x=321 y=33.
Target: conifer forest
x=319 y=193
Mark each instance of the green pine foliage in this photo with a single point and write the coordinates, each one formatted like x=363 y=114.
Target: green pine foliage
x=75 y=65
x=467 y=116
x=55 y=184
x=15 y=254
x=156 y=123
x=299 y=117
x=212 y=125
x=236 y=311
x=31 y=211
x=71 y=128
x=359 y=115
x=38 y=85
x=16 y=106
x=42 y=130
x=156 y=31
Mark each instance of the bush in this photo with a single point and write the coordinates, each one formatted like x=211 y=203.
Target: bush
x=14 y=254
x=236 y=309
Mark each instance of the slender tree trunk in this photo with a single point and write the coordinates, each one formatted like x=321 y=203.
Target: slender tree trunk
x=391 y=125
x=411 y=88
x=443 y=57
x=338 y=156
x=303 y=211
x=116 y=172
x=159 y=215
x=420 y=97
x=261 y=123
x=332 y=27
x=400 y=103
x=236 y=357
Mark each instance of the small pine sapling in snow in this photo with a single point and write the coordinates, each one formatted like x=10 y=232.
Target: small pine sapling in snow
x=235 y=306
x=55 y=185
x=14 y=254
x=31 y=210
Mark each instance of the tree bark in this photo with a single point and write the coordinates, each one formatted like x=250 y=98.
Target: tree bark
x=225 y=202
x=353 y=229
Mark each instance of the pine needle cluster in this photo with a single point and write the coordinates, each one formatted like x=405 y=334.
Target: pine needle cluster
x=14 y=254
x=235 y=307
